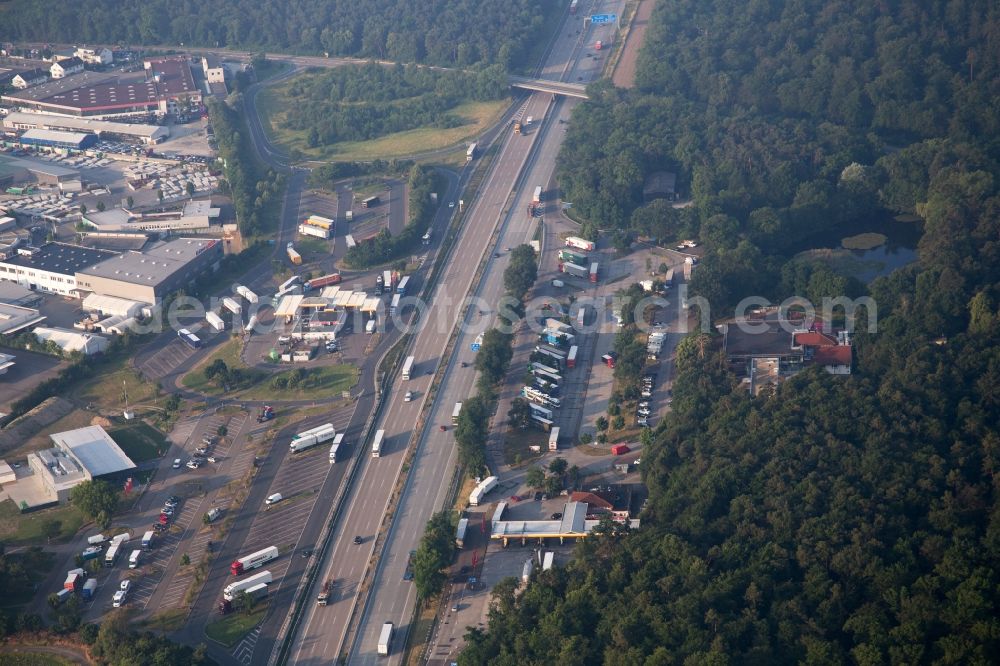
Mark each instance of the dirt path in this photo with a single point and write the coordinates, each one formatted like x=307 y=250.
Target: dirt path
x=624 y=76
x=68 y=654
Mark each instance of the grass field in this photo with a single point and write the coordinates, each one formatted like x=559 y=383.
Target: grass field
x=105 y=391
x=234 y=626
x=477 y=116
x=37 y=564
x=140 y=441
x=320 y=382
x=18 y=528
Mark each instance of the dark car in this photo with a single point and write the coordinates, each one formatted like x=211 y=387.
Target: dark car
x=538 y=495
x=358 y=540
x=556 y=516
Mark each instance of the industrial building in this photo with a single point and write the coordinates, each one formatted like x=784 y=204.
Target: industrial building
x=15 y=318
x=14 y=294
x=71 y=341
x=148 y=275
x=194 y=216
x=42 y=138
x=160 y=88
x=18 y=170
x=104 y=129
x=51 y=268
x=213 y=69
x=77 y=455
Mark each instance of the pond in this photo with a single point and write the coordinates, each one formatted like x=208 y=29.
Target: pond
x=898 y=250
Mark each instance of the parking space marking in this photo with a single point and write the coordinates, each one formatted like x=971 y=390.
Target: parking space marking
x=244 y=651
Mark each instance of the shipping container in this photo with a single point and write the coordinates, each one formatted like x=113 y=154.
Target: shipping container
x=377 y=443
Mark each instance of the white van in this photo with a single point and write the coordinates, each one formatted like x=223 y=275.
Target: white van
x=274 y=499
x=370 y=327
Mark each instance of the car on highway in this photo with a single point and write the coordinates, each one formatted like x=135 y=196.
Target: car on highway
x=358 y=540
x=451 y=204
x=408 y=397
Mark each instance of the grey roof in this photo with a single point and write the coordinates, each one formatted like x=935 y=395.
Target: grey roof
x=60 y=258
x=95 y=450
x=36 y=166
x=111 y=216
x=54 y=135
x=61 y=86
x=48 y=121
x=152 y=266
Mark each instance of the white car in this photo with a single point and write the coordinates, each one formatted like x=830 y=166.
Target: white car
x=125 y=585
x=451 y=204
x=408 y=397
x=177 y=463
x=273 y=499
x=119 y=599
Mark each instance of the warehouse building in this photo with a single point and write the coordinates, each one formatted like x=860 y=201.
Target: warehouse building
x=160 y=88
x=42 y=138
x=194 y=216
x=77 y=455
x=71 y=341
x=51 y=268
x=149 y=275
x=104 y=129
x=19 y=170
x=213 y=69
x=15 y=318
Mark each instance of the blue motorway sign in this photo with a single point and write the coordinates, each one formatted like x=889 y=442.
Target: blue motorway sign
x=600 y=19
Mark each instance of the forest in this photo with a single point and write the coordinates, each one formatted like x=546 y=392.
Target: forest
x=360 y=103
x=834 y=520
x=442 y=32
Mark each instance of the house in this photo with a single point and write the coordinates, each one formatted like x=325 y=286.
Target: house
x=98 y=56
x=32 y=77
x=620 y=501
x=213 y=69
x=64 y=68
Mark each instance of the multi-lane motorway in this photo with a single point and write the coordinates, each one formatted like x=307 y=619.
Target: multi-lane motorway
x=325 y=632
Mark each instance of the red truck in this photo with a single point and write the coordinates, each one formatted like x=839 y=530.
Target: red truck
x=324 y=281
x=619 y=449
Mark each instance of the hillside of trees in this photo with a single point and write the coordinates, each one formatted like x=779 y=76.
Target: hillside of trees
x=838 y=519
x=443 y=32
x=360 y=103
x=782 y=121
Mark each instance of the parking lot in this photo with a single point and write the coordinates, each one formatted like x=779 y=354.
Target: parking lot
x=298 y=480
x=30 y=369
x=184 y=530
x=166 y=360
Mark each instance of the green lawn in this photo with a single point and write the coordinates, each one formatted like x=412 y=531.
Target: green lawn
x=231 y=628
x=320 y=383
x=140 y=441
x=310 y=245
x=107 y=390
x=18 y=528
x=229 y=352
x=272 y=102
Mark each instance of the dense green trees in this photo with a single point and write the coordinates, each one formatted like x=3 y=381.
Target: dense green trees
x=837 y=519
x=382 y=247
x=252 y=192
x=359 y=103
x=444 y=32
x=96 y=498
x=434 y=554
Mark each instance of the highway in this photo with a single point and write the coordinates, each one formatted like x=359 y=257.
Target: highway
x=392 y=598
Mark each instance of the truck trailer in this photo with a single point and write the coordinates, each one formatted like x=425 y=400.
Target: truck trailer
x=537 y=196
x=575 y=270
x=246 y=293
x=147 y=540
x=385 y=640
x=580 y=243
x=313 y=437
x=485 y=486
x=571 y=357
x=293 y=256
x=324 y=281
x=215 y=321
x=232 y=305
x=335 y=447
x=253 y=560
x=307 y=229
x=231 y=590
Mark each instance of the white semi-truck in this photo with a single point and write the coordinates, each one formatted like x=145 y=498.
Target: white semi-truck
x=312 y=437
x=253 y=560
x=231 y=590
x=245 y=293
x=385 y=640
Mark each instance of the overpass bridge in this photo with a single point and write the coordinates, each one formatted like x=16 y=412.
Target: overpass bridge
x=554 y=87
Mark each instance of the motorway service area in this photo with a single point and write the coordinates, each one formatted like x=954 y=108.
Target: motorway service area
x=281 y=445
